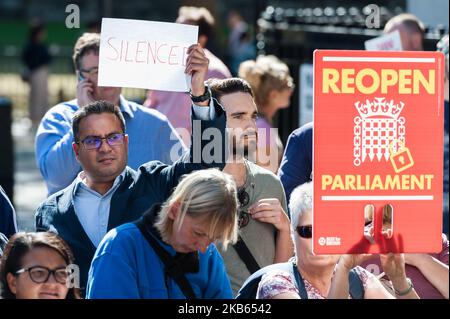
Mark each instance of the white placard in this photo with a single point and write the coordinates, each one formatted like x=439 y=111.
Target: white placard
x=387 y=42
x=145 y=54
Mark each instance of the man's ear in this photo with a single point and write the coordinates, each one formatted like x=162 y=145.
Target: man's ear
x=12 y=282
x=174 y=210
x=76 y=149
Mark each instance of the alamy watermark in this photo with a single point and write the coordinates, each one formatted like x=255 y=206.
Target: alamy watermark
x=73 y=19
x=73 y=278
x=209 y=146
x=373 y=16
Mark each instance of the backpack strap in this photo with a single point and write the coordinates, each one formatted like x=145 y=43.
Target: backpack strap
x=172 y=265
x=299 y=281
x=246 y=256
x=355 y=285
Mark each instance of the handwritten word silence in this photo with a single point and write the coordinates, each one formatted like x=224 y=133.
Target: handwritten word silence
x=146 y=52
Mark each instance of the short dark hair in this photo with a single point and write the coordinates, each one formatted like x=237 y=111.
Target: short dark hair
x=221 y=87
x=88 y=42
x=19 y=245
x=97 y=107
x=197 y=16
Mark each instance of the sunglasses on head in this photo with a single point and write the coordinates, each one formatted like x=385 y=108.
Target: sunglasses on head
x=304 y=231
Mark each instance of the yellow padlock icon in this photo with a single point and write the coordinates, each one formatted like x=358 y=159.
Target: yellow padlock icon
x=400 y=159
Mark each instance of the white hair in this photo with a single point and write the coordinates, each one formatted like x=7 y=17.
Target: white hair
x=301 y=202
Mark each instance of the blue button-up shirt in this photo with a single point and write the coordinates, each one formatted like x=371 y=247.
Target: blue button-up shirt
x=92 y=208
x=151 y=137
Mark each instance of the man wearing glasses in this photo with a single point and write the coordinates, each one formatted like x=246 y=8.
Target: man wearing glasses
x=107 y=193
x=264 y=231
x=152 y=137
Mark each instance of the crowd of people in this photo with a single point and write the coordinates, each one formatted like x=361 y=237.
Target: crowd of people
x=133 y=210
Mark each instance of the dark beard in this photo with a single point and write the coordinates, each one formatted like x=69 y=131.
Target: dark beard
x=245 y=152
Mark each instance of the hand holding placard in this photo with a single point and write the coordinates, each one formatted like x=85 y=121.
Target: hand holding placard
x=197 y=66
x=393 y=266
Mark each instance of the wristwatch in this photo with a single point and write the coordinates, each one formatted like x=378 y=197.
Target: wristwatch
x=201 y=98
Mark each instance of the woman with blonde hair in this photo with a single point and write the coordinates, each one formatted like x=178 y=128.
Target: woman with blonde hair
x=272 y=86
x=201 y=211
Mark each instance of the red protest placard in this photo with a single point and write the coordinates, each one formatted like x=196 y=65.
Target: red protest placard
x=378 y=141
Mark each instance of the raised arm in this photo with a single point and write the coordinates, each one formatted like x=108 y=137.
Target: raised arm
x=207 y=148
x=340 y=289
x=394 y=267
x=435 y=271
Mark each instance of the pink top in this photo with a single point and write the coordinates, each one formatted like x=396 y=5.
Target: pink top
x=177 y=105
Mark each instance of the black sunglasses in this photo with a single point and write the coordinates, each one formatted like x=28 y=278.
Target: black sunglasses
x=243 y=197
x=244 y=217
x=304 y=231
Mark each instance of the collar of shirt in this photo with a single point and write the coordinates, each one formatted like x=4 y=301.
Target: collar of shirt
x=81 y=184
x=125 y=106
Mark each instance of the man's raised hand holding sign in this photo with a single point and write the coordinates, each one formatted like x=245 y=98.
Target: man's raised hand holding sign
x=197 y=66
